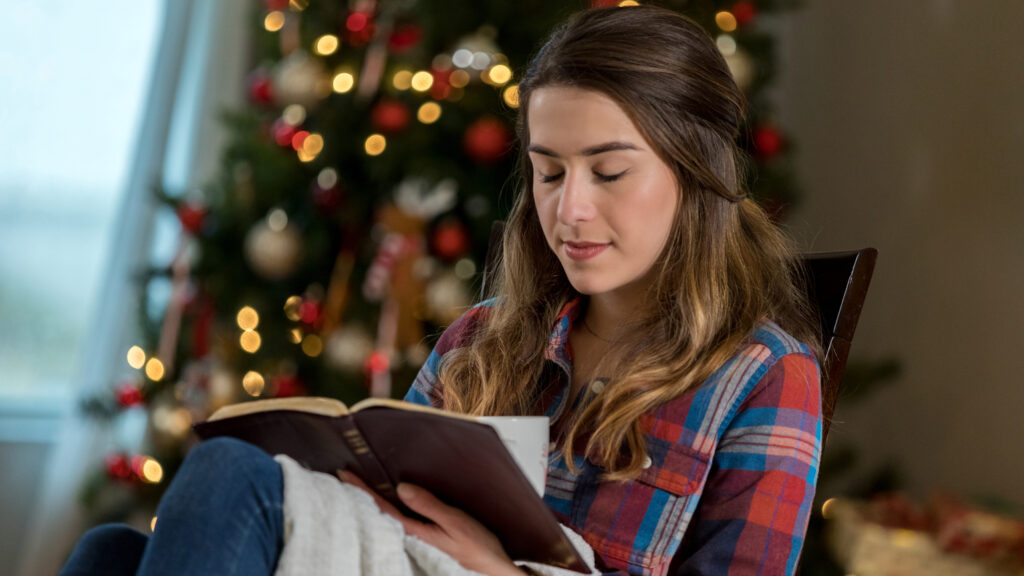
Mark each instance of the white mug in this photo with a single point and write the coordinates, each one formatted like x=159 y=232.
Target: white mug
x=526 y=437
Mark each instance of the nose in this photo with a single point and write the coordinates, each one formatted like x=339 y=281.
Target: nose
x=576 y=203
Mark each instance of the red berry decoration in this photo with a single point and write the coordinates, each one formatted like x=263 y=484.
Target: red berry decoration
x=118 y=467
x=486 y=140
x=192 y=216
x=283 y=132
x=450 y=240
x=390 y=116
x=404 y=38
x=129 y=395
x=260 y=90
x=744 y=12
x=378 y=363
x=767 y=142
x=311 y=312
x=360 y=28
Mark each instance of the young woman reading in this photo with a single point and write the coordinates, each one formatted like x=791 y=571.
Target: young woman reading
x=644 y=303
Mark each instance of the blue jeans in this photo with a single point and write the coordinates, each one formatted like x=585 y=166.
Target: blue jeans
x=222 y=514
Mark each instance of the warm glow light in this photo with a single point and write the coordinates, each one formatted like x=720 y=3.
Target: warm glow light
x=625 y=3
x=253 y=383
x=326 y=45
x=313 y=144
x=422 y=81
x=511 y=95
x=459 y=79
x=726 y=44
x=274 y=21
x=462 y=58
x=312 y=345
x=429 y=112
x=826 y=508
x=291 y=308
x=726 y=21
x=152 y=471
x=136 y=357
x=293 y=114
x=248 y=318
x=299 y=5
x=155 y=369
x=152 y=524
x=500 y=74
x=402 y=80
x=277 y=220
x=250 y=341
x=298 y=138
x=343 y=82
x=375 y=144
x=295 y=335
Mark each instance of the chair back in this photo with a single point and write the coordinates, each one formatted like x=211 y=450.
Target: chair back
x=837 y=284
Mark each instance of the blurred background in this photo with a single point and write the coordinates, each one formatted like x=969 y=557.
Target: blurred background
x=207 y=201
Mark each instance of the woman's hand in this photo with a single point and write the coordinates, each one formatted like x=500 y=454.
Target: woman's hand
x=453 y=531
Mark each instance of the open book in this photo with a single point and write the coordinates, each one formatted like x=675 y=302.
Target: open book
x=385 y=442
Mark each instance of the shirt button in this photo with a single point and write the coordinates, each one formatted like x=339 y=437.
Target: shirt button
x=647 y=462
x=597 y=386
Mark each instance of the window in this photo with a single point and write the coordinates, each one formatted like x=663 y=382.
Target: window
x=75 y=77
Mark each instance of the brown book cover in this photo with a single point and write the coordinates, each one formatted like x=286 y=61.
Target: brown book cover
x=385 y=442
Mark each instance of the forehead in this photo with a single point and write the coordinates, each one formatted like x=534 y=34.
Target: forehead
x=567 y=120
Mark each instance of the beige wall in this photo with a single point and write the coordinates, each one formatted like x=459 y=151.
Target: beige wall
x=909 y=122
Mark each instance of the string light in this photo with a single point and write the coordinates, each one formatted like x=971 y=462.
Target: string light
x=500 y=74
x=250 y=341
x=291 y=308
x=155 y=369
x=402 y=80
x=726 y=44
x=511 y=96
x=253 y=383
x=726 y=21
x=375 y=144
x=312 y=345
x=626 y=3
x=311 y=147
x=295 y=335
x=274 y=21
x=247 y=318
x=152 y=524
x=136 y=357
x=422 y=81
x=826 y=508
x=152 y=471
x=462 y=58
x=299 y=5
x=343 y=82
x=481 y=60
x=326 y=45
x=294 y=114
x=429 y=112
x=459 y=79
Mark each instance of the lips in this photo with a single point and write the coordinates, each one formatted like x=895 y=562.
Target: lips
x=583 y=250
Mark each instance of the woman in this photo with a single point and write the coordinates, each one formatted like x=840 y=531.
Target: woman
x=644 y=303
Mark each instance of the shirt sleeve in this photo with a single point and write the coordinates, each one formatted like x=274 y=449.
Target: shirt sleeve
x=753 y=514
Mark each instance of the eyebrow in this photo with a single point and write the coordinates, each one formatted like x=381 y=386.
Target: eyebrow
x=592 y=151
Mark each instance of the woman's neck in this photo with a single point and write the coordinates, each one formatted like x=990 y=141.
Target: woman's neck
x=609 y=318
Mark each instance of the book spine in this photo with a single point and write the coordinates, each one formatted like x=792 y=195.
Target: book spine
x=373 y=473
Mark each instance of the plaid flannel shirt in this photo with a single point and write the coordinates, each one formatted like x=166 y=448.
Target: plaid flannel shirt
x=731 y=470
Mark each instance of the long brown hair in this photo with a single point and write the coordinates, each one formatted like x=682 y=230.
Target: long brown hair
x=725 y=267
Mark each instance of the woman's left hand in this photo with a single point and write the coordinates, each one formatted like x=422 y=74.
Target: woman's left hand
x=454 y=532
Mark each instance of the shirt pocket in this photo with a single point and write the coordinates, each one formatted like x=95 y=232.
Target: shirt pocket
x=637 y=525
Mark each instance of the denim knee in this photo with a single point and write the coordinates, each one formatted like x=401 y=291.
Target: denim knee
x=112 y=549
x=222 y=466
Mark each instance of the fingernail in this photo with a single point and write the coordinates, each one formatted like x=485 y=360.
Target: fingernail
x=406 y=492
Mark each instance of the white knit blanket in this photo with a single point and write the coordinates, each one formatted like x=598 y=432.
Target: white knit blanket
x=332 y=528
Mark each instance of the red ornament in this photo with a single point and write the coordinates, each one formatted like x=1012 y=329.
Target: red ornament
x=286 y=385
x=390 y=116
x=450 y=240
x=192 y=216
x=378 y=363
x=129 y=394
x=744 y=12
x=118 y=467
x=360 y=28
x=326 y=200
x=404 y=38
x=276 y=4
x=442 y=85
x=260 y=89
x=311 y=312
x=283 y=132
x=486 y=140
x=767 y=142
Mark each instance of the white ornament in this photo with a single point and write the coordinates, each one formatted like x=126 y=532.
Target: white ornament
x=300 y=79
x=348 y=347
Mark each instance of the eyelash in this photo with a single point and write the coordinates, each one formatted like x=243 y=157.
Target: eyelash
x=602 y=177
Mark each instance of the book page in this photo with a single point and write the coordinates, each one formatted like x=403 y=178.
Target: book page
x=311 y=404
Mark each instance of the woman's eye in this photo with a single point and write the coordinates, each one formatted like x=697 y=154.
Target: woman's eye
x=609 y=177
x=549 y=179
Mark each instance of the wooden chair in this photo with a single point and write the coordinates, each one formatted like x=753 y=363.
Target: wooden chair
x=837 y=283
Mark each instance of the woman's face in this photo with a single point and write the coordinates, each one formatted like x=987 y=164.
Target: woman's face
x=605 y=200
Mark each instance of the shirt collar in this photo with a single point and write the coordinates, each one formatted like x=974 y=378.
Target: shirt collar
x=558 y=344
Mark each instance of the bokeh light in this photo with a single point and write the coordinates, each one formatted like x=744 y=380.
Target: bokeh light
x=375 y=144
x=429 y=112
x=253 y=383
x=136 y=357
x=247 y=318
x=155 y=369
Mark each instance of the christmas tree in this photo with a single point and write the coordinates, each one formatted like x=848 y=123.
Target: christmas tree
x=350 y=219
